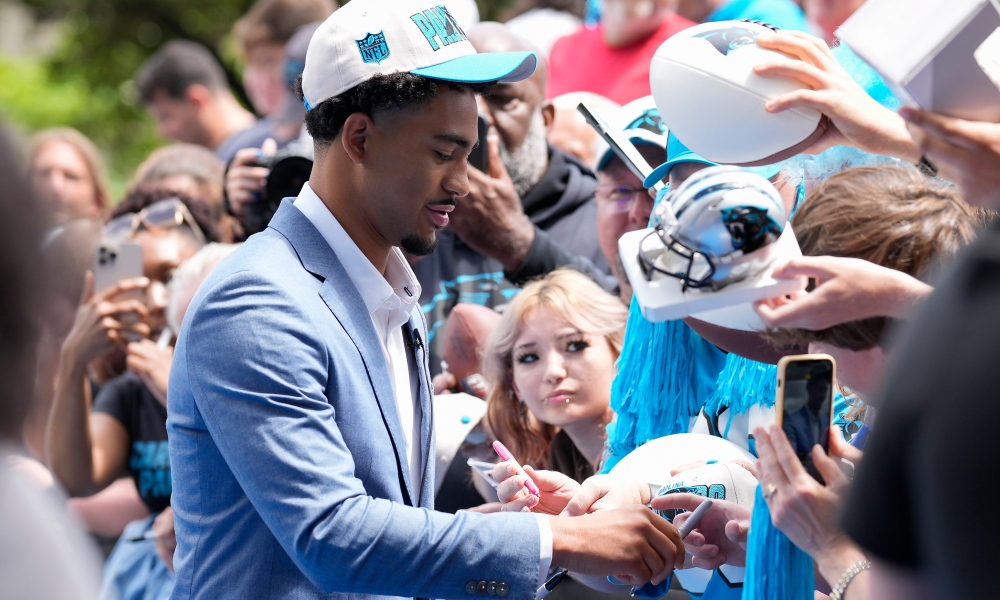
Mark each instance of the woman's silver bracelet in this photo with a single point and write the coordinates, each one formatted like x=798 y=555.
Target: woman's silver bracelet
x=848 y=576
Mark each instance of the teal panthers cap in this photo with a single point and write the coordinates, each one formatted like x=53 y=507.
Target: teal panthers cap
x=677 y=153
x=365 y=38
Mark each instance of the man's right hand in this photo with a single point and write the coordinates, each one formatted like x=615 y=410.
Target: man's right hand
x=633 y=544
x=245 y=180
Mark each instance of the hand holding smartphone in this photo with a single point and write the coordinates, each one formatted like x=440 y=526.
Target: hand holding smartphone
x=480 y=155
x=114 y=261
x=803 y=404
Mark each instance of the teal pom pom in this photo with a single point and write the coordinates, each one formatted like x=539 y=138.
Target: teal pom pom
x=776 y=568
x=743 y=383
x=652 y=394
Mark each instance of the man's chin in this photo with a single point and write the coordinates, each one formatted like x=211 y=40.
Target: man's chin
x=418 y=246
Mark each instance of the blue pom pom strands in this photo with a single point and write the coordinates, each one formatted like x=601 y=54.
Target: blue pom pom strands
x=653 y=393
x=743 y=383
x=776 y=568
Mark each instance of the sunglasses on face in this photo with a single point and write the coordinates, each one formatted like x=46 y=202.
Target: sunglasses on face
x=165 y=214
x=617 y=198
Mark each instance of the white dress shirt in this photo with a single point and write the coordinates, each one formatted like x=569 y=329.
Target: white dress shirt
x=390 y=300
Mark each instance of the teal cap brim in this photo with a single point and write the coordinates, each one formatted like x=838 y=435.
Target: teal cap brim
x=502 y=67
x=767 y=171
x=663 y=170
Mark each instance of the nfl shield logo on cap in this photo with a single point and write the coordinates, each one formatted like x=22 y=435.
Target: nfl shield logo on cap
x=373 y=48
x=365 y=38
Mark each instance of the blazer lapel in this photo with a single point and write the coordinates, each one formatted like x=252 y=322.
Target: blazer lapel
x=425 y=391
x=347 y=306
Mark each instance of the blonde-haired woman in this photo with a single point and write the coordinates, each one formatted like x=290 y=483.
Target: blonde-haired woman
x=68 y=173
x=550 y=363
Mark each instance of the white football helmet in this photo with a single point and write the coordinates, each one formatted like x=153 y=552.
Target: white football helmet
x=717 y=228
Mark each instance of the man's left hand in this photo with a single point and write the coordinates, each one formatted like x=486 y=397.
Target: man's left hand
x=490 y=219
x=166 y=539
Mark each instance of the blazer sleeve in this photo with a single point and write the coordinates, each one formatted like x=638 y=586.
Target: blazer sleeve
x=259 y=375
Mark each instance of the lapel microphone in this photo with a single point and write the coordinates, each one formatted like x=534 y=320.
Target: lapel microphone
x=414 y=341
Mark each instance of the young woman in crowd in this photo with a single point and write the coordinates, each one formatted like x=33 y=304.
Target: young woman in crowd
x=68 y=173
x=91 y=444
x=549 y=364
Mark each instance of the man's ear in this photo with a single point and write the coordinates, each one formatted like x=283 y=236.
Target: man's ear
x=548 y=115
x=198 y=94
x=354 y=136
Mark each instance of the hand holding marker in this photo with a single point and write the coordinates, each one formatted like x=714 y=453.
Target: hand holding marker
x=505 y=454
x=689 y=525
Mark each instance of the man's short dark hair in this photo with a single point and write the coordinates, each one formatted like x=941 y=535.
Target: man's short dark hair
x=378 y=95
x=177 y=66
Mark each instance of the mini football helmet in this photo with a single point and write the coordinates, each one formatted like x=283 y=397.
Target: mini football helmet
x=717 y=228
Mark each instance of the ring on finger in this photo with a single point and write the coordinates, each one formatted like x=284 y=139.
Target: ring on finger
x=769 y=490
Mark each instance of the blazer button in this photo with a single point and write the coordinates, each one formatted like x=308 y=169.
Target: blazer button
x=471 y=587
x=502 y=589
x=491 y=588
x=481 y=588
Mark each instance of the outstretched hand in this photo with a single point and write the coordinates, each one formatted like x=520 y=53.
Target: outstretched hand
x=605 y=492
x=847 y=289
x=720 y=538
x=856 y=119
x=966 y=153
x=556 y=489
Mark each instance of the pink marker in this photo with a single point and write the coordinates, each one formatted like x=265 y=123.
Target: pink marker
x=506 y=455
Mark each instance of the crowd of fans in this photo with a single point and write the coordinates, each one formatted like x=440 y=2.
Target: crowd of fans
x=536 y=240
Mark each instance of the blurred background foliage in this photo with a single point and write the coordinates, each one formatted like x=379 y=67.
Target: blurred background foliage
x=71 y=62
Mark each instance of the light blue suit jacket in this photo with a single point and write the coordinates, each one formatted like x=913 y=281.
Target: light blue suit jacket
x=290 y=475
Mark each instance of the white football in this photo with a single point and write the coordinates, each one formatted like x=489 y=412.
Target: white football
x=653 y=461
x=708 y=95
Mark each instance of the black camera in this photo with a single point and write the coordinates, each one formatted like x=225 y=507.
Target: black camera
x=289 y=170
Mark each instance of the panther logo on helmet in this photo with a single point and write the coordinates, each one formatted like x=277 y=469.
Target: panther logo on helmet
x=717 y=228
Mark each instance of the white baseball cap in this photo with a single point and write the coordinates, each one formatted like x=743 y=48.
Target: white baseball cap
x=365 y=38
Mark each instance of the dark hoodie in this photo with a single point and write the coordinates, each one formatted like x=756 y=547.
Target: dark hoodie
x=561 y=207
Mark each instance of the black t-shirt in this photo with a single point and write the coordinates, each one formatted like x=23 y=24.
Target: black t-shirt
x=566 y=458
x=925 y=493
x=145 y=419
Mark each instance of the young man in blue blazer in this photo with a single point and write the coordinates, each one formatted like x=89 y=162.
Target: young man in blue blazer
x=299 y=407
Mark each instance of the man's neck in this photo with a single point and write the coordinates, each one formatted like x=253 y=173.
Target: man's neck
x=228 y=118
x=343 y=204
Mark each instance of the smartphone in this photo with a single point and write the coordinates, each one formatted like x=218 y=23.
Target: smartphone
x=483 y=469
x=116 y=260
x=803 y=405
x=620 y=143
x=480 y=155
